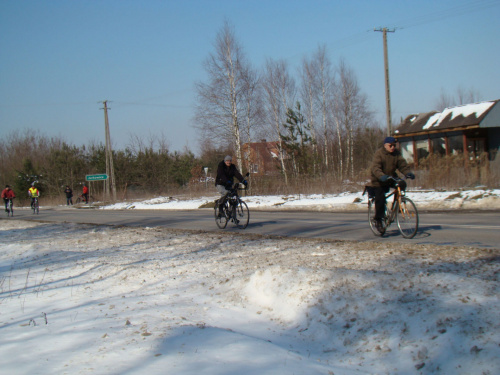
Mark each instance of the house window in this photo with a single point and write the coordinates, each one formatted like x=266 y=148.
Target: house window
x=456 y=144
x=422 y=148
x=438 y=146
x=406 y=149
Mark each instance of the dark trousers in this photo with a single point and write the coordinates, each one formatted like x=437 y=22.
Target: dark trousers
x=380 y=201
x=6 y=200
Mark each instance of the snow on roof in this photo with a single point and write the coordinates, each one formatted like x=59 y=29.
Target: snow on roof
x=476 y=109
x=463 y=115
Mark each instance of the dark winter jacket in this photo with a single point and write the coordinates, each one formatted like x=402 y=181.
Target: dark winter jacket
x=69 y=193
x=225 y=174
x=386 y=163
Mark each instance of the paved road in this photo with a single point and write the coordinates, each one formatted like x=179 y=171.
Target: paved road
x=455 y=228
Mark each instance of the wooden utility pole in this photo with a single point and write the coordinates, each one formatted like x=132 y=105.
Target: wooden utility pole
x=387 y=86
x=110 y=171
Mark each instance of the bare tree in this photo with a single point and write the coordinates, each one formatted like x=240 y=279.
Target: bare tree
x=350 y=113
x=461 y=97
x=279 y=94
x=325 y=83
x=223 y=101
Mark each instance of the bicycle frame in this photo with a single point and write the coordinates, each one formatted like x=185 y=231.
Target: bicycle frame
x=10 y=207
x=234 y=209
x=402 y=209
x=35 y=207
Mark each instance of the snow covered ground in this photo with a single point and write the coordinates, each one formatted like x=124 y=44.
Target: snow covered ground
x=468 y=199
x=115 y=300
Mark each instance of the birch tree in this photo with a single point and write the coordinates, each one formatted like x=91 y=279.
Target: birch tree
x=350 y=112
x=279 y=94
x=222 y=101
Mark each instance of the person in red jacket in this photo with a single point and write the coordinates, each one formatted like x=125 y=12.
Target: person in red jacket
x=8 y=195
x=85 y=193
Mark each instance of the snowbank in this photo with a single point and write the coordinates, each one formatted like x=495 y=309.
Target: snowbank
x=103 y=300
x=429 y=200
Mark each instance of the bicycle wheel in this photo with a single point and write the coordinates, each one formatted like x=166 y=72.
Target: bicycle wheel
x=241 y=215
x=371 y=219
x=407 y=218
x=78 y=200
x=220 y=217
x=37 y=207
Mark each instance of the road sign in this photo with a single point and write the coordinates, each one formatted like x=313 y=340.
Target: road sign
x=96 y=177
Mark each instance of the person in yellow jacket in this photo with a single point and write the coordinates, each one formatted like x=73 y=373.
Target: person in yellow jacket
x=33 y=193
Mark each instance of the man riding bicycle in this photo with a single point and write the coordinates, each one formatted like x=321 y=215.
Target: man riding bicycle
x=386 y=161
x=226 y=171
x=8 y=195
x=33 y=193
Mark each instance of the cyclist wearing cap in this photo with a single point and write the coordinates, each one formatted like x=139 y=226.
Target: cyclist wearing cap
x=33 y=193
x=386 y=161
x=8 y=195
x=226 y=171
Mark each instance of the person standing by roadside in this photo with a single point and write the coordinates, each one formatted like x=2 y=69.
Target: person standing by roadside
x=85 y=193
x=8 y=195
x=69 y=195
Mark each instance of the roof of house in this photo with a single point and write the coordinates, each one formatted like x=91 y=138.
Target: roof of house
x=462 y=116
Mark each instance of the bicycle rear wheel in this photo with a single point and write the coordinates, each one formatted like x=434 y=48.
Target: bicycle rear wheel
x=241 y=215
x=371 y=219
x=407 y=218
x=220 y=216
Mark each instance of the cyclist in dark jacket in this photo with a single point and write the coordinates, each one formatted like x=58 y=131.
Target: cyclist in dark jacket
x=386 y=162
x=226 y=171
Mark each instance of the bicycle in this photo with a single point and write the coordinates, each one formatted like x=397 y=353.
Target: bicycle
x=81 y=198
x=234 y=210
x=9 y=208
x=402 y=209
x=35 y=206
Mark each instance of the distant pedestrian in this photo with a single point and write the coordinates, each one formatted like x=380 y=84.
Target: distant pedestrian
x=85 y=193
x=69 y=195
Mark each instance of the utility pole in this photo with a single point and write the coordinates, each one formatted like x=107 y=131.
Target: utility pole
x=110 y=171
x=387 y=87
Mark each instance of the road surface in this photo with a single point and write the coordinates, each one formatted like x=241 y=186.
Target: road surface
x=452 y=228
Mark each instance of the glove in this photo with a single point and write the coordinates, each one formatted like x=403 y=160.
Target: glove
x=384 y=178
x=245 y=182
x=410 y=175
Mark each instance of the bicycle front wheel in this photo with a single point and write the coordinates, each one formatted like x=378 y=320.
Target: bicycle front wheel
x=407 y=218
x=220 y=216
x=241 y=215
x=371 y=220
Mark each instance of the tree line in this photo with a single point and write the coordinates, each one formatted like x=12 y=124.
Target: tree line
x=148 y=168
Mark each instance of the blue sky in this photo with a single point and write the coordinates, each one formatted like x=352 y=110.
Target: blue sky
x=60 y=59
